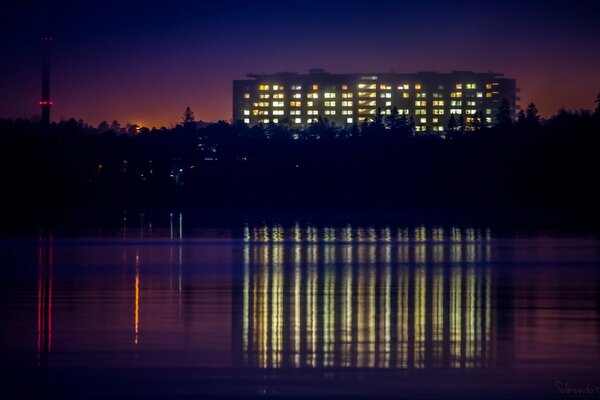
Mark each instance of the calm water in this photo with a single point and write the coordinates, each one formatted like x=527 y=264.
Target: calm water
x=270 y=311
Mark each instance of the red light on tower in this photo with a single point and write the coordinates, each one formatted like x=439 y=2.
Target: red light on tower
x=45 y=103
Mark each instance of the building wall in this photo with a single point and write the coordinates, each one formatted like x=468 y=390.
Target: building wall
x=430 y=98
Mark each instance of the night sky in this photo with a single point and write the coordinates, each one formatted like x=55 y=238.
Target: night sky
x=145 y=61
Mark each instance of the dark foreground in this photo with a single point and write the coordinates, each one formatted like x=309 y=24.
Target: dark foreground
x=302 y=311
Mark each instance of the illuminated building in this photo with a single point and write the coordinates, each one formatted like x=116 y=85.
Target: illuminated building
x=430 y=98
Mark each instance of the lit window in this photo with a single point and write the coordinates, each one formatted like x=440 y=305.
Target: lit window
x=459 y=86
x=330 y=104
x=329 y=112
x=455 y=103
x=420 y=103
x=315 y=87
x=277 y=112
x=488 y=120
x=246 y=95
x=344 y=87
x=403 y=111
x=421 y=95
x=310 y=103
x=275 y=87
x=275 y=120
x=488 y=95
x=488 y=111
x=471 y=86
x=349 y=120
x=295 y=103
x=420 y=111
x=278 y=104
x=456 y=94
x=246 y=112
x=383 y=86
x=296 y=87
x=471 y=112
x=246 y=120
x=371 y=86
x=263 y=87
x=367 y=103
x=255 y=112
x=479 y=94
x=420 y=128
x=312 y=112
x=488 y=86
x=295 y=112
x=406 y=95
x=388 y=103
x=266 y=120
x=437 y=95
x=438 y=128
x=329 y=95
x=418 y=86
x=265 y=96
x=313 y=95
x=455 y=111
x=297 y=96
x=347 y=112
x=435 y=120
x=278 y=96
x=423 y=120
x=311 y=120
x=386 y=95
x=403 y=86
x=470 y=104
x=366 y=94
x=298 y=120
x=438 y=103
x=347 y=103
x=438 y=111
x=347 y=95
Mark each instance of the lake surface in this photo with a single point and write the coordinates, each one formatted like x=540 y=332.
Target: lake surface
x=301 y=310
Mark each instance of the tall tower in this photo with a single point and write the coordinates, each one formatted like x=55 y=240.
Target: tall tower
x=45 y=103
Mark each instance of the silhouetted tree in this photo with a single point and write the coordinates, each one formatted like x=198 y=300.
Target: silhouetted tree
x=521 y=119
x=188 y=117
x=597 y=110
x=531 y=116
x=103 y=127
x=115 y=126
x=503 y=118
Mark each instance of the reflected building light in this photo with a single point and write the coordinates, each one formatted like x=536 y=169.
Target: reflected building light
x=470 y=235
x=277 y=233
x=456 y=234
x=44 y=302
x=470 y=255
x=246 y=233
x=455 y=316
x=381 y=312
x=136 y=317
x=402 y=235
x=180 y=226
x=371 y=234
x=347 y=234
x=456 y=252
x=420 y=234
x=437 y=234
x=171 y=225
x=420 y=253
x=419 y=317
x=297 y=233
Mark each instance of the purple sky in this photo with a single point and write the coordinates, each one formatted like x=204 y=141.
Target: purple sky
x=144 y=62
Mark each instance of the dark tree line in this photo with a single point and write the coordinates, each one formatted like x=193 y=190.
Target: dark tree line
x=383 y=164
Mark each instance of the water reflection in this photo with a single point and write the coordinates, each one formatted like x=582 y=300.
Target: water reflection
x=44 y=300
x=417 y=305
